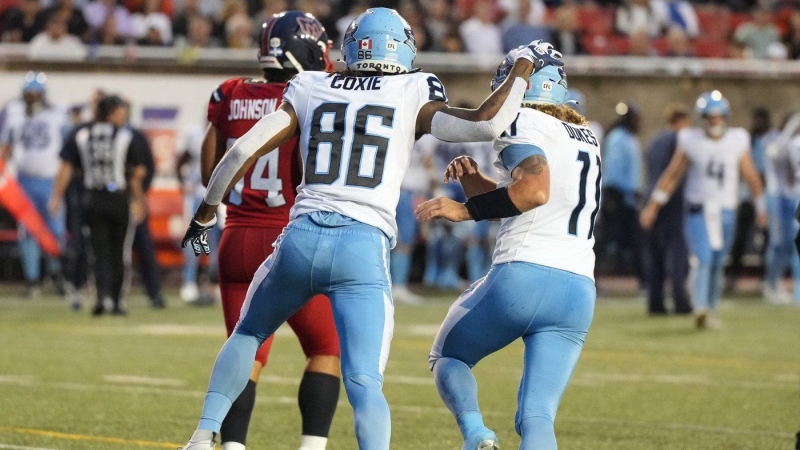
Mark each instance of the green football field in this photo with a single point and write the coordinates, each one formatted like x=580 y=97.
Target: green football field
x=69 y=381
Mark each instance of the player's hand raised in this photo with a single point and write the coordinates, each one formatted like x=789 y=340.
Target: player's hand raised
x=444 y=208
x=459 y=167
x=197 y=236
x=540 y=53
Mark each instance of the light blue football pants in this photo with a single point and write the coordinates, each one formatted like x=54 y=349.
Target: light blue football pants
x=39 y=191
x=707 y=274
x=551 y=311
x=319 y=253
x=781 y=252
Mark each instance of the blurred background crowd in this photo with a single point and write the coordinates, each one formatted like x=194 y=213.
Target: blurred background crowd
x=766 y=29
x=438 y=255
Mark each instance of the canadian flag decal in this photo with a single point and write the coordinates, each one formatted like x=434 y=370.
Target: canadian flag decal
x=365 y=44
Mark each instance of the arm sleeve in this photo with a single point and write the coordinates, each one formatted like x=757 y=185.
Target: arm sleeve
x=244 y=147
x=140 y=154
x=69 y=151
x=514 y=154
x=218 y=105
x=453 y=129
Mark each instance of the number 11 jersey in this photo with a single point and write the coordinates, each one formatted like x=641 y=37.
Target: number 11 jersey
x=356 y=135
x=560 y=233
x=266 y=193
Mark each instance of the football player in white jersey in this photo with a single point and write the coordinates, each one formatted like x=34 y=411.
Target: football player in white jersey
x=356 y=129
x=31 y=139
x=713 y=155
x=540 y=287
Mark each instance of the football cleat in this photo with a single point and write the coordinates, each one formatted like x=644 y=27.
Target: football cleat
x=198 y=443
x=485 y=440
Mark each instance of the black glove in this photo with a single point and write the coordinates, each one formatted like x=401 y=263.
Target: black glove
x=197 y=236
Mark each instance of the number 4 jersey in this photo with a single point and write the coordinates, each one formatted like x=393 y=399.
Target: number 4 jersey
x=560 y=233
x=356 y=135
x=713 y=177
x=266 y=193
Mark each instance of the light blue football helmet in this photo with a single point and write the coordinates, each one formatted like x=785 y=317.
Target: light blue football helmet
x=712 y=103
x=379 y=40
x=548 y=86
x=34 y=82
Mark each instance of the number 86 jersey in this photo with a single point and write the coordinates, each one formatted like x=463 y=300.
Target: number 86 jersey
x=356 y=135
x=560 y=233
x=266 y=193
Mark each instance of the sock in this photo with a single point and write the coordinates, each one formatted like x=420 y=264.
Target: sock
x=459 y=391
x=318 y=396
x=203 y=435
x=234 y=427
x=312 y=443
x=232 y=446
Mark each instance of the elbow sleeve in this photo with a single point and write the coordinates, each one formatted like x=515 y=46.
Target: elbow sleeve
x=241 y=151
x=453 y=129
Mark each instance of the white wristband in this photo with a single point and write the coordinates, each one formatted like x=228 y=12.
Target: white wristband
x=659 y=196
x=760 y=204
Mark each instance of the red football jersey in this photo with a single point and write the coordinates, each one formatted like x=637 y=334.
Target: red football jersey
x=266 y=193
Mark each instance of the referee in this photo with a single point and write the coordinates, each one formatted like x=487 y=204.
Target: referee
x=112 y=158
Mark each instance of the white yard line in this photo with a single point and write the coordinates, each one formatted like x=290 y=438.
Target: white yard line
x=21 y=447
x=31 y=383
x=147 y=381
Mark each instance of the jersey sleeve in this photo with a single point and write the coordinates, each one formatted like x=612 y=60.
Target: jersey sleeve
x=431 y=89
x=744 y=138
x=523 y=139
x=69 y=151
x=296 y=94
x=218 y=103
x=685 y=139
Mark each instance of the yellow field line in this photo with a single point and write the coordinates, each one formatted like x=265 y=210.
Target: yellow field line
x=86 y=437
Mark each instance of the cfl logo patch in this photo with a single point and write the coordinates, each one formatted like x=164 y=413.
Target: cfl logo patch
x=365 y=44
x=547 y=86
x=391 y=46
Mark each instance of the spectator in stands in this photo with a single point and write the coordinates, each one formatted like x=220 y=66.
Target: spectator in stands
x=438 y=20
x=268 y=8
x=356 y=8
x=239 y=31
x=681 y=14
x=76 y=23
x=678 y=44
x=108 y=34
x=641 y=45
x=665 y=245
x=412 y=11
x=31 y=139
x=792 y=38
x=523 y=26
x=480 y=34
x=55 y=43
x=619 y=240
x=566 y=35
x=23 y=23
x=757 y=36
x=166 y=7
x=452 y=42
x=642 y=15
x=199 y=37
x=98 y=12
x=529 y=12
x=150 y=25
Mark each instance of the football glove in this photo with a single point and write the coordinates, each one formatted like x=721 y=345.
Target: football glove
x=541 y=54
x=197 y=236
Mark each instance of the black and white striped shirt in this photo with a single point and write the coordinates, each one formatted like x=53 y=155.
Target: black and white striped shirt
x=106 y=153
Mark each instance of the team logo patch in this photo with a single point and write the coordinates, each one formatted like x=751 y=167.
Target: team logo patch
x=310 y=27
x=275 y=47
x=365 y=44
x=391 y=46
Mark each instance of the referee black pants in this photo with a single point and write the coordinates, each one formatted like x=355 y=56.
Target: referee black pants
x=108 y=218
